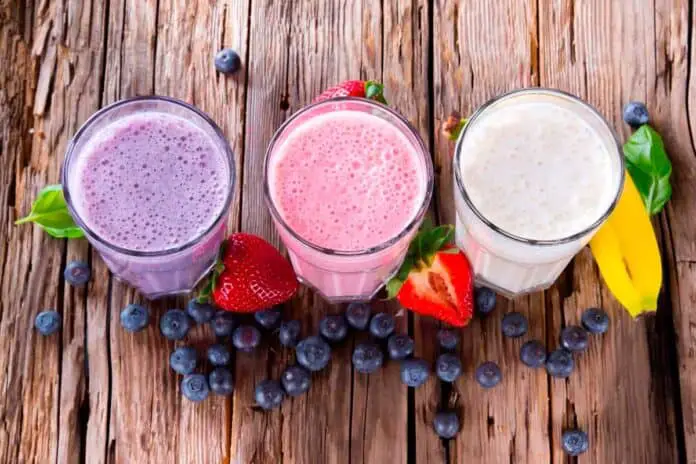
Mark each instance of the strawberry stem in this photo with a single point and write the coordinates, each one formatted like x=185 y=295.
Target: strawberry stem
x=453 y=126
x=375 y=91
x=206 y=293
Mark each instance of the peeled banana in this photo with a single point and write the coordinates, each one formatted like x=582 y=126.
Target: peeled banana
x=625 y=249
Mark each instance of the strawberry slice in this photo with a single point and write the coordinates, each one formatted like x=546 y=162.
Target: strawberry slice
x=354 y=88
x=435 y=279
x=250 y=275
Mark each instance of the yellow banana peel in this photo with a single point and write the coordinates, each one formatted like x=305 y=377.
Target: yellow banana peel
x=625 y=249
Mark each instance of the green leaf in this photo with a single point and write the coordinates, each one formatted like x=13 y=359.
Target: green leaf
x=50 y=212
x=393 y=288
x=649 y=166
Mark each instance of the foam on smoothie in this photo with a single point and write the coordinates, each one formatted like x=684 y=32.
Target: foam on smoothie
x=347 y=180
x=151 y=182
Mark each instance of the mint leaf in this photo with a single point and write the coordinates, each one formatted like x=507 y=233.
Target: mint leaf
x=50 y=212
x=649 y=167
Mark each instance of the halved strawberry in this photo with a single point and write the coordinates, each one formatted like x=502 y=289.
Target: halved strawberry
x=435 y=279
x=250 y=275
x=354 y=88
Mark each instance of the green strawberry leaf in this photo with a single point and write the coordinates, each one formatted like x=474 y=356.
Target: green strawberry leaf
x=393 y=288
x=50 y=212
x=206 y=293
x=649 y=166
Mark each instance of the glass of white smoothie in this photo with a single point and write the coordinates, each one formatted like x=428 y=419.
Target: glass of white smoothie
x=536 y=172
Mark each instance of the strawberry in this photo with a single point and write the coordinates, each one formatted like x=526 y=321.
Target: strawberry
x=363 y=89
x=250 y=275
x=435 y=279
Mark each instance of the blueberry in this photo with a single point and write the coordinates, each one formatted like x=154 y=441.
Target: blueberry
x=223 y=323
x=574 y=338
x=269 y=394
x=200 y=312
x=77 y=273
x=414 y=372
x=313 y=353
x=333 y=327
x=183 y=360
x=288 y=333
x=246 y=338
x=367 y=357
x=574 y=442
x=358 y=315
x=514 y=325
x=595 y=320
x=485 y=300
x=268 y=318
x=48 y=322
x=560 y=363
x=400 y=346
x=488 y=374
x=448 y=367
x=635 y=114
x=195 y=387
x=221 y=381
x=219 y=355
x=533 y=354
x=446 y=424
x=227 y=61
x=296 y=380
x=134 y=318
x=175 y=324
x=382 y=325
x=448 y=339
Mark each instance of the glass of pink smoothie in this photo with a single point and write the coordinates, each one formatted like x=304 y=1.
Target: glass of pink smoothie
x=150 y=181
x=348 y=182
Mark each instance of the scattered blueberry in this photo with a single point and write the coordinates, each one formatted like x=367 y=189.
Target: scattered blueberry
x=268 y=318
x=48 y=322
x=227 y=61
x=219 y=355
x=269 y=394
x=560 y=363
x=223 y=323
x=595 y=320
x=221 y=381
x=635 y=114
x=183 y=360
x=446 y=424
x=195 y=387
x=200 y=312
x=448 y=367
x=333 y=327
x=313 y=353
x=289 y=332
x=533 y=354
x=414 y=372
x=485 y=300
x=367 y=357
x=488 y=374
x=400 y=346
x=358 y=315
x=574 y=442
x=448 y=339
x=134 y=318
x=574 y=338
x=382 y=325
x=246 y=338
x=514 y=324
x=77 y=273
x=296 y=380
x=175 y=324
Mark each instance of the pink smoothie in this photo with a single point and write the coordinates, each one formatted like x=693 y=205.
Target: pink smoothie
x=347 y=181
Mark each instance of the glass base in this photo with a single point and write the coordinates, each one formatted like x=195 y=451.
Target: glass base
x=481 y=282
x=341 y=298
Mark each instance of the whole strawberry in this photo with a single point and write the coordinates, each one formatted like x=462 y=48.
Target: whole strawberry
x=250 y=275
x=354 y=88
x=435 y=279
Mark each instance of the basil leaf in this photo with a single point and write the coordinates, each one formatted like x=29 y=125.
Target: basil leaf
x=649 y=167
x=50 y=212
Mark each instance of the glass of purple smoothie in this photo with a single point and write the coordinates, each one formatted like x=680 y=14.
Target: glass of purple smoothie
x=150 y=180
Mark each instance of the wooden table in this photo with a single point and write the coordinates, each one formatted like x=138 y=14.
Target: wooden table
x=98 y=394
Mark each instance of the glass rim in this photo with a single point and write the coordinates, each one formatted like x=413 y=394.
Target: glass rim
x=70 y=152
x=556 y=93
x=417 y=218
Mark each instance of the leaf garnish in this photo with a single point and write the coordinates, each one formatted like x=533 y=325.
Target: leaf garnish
x=50 y=212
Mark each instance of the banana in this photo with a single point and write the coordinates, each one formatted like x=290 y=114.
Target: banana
x=626 y=251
